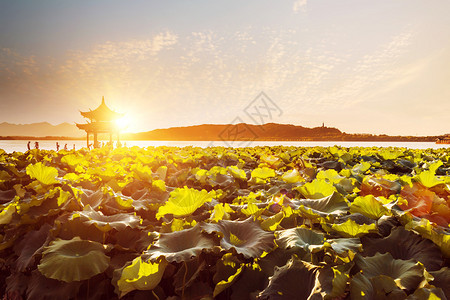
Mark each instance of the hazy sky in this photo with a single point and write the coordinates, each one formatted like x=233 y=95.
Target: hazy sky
x=361 y=66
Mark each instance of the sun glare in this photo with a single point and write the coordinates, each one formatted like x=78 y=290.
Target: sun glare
x=123 y=123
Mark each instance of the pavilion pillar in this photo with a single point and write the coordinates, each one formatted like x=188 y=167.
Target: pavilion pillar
x=95 y=140
x=87 y=139
x=110 y=139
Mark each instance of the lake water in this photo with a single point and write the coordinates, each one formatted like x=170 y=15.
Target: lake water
x=21 y=145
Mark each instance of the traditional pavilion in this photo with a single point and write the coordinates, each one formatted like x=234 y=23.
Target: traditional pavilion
x=101 y=120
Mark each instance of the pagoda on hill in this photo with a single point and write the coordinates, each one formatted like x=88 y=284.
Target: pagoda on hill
x=101 y=120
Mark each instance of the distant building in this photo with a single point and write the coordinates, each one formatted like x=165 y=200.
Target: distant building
x=101 y=120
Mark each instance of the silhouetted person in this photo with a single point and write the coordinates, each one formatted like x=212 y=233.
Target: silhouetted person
x=36 y=145
x=73 y=146
x=65 y=147
x=28 y=145
x=57 y=146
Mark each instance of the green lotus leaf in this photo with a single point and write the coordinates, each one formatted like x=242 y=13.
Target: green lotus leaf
x=351 y=229
x=343 y=245
x=42 y=173
x=334 y=204
x=295 y=280
x=377 y=288
x=188 y=275
x=246 y=237
x=40 y=287
x=105 y=223
x=368 y=206
x=31 y=246
x=228 y=269
x=331 y=282
x=427 y=294
x=73 y=260
x=407 y=274
x=139 y=275
x=427 y=230
x=316 y=189
x=181 y=245
x=404 y=244
x=304 y=238
x=441 y=279
x=184 y=201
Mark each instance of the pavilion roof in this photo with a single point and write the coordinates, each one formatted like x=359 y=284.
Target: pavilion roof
x=102 y=113
x=100 y=127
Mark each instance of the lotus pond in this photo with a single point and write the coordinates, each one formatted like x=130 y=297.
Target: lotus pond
x=223 y=223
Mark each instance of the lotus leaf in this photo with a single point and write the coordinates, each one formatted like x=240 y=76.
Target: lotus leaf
x=429 y=179
x=351 y=229
x=140 y=275
x=330 y=175
x=73 y=260
x=105 y=223
x=30 y=246
x=332 y=205
x=419 y=199
x=331 y=282
x=43 y=288
x=404 y=244
x=295 y=280
x=228 y=270
x=292 y=176
x=379 y=287
x=188 y=274
x=441 y=278
x=343 y=245
x=181 y=245
x=376 y=186
x=7 y=213
x=428 y=294
x=304 y=238
x=42 y=173
x=407 y=274
x=184 y=201
x=368 y=206
x=246 y=237
x=237 y=173
x=316 y=189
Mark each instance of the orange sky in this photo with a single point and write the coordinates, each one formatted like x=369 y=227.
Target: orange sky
x=361 y=66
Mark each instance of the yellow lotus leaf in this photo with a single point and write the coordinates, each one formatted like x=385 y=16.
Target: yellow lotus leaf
x=292 y=176
x=263 y=173
x=42 y=173
x=237 y=173
x=140 y=275
x=351 y=229
x=184 y=201
x=316 y=189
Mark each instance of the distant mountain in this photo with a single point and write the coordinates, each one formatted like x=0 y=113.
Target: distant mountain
x=40 y=130
x=241 y=131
